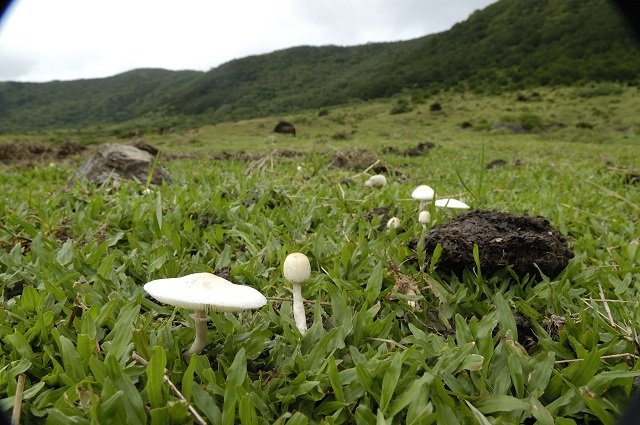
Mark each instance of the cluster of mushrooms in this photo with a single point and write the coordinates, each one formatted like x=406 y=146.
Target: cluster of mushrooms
x=422 y=193
x=205 y=292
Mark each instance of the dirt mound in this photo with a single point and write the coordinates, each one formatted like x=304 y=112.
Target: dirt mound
x=357 y=160
x=21 y=151
x=255 y=156
x=69 y=148
x=420 y=149
x=33 y=151
x=523 y=242
x=496 y=163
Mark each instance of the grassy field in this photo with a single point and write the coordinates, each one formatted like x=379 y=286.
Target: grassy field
x=481 y=349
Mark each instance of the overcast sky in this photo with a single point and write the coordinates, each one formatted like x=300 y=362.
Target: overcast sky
x=45 y=40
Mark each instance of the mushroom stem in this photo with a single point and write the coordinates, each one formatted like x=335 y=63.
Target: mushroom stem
x=422 y=205
x=298 y=309
x=200 y=342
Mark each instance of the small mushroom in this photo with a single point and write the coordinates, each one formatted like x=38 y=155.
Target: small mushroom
x=422 y=193
x=202 y=292
x=451 y=203
x=393 y=223
x=297 y=269
x=376 y=181
x=424 y=218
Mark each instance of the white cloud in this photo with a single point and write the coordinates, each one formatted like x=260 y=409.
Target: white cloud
x=42 y=40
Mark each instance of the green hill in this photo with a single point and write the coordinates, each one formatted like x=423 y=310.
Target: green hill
x=60 y=104
x=511 y=44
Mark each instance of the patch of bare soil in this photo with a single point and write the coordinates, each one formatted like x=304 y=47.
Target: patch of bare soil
x=357 y=160
x=496 y=163
x=33 y=151
x=146 y=147
x=525 y=243
x=420 y=149
x=382 y=212
x=10 y=152
x=241 y=155
x=255 y=156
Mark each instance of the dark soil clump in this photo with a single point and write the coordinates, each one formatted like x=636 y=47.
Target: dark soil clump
x=146 y=147
x=420 y=149
x=69 y=148
x=382 y=212
x=357 y=160
x=378 y=212
x=632 y=178
x=33 y=151
x=13 y=289
x=523 y=242
x=24 y=151
x=496 y=163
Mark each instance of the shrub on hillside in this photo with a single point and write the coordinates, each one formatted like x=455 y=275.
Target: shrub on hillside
x=402 y=106
x=609 y=89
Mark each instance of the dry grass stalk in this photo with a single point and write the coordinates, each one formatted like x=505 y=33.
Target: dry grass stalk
x=606 y=305
x=366 y=170
x=609 y=356
x=17 y=401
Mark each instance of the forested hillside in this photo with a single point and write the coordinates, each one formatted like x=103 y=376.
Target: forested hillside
x=60 y=104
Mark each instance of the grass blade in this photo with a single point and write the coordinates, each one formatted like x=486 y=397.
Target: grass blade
x=155 y=373
x=390 y=381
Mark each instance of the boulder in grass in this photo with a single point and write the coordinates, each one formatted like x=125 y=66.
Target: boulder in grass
x=529 y=245
x=121 y=162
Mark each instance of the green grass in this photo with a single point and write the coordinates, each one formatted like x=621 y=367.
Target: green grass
x=73 y=263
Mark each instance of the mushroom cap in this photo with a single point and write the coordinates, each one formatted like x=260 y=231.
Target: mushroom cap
x=424 y=217
x=393 y=223
x=451 y=203
x=296 y=268
x=205 y=291
x=423 y=193
x=377 y=180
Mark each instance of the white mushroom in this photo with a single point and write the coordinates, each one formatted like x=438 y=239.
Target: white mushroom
x=422 y=193
x=202 y=292
x=424 y=218
x=376 y=181
x=393 y=223
x=297 y=269
x=451 y=203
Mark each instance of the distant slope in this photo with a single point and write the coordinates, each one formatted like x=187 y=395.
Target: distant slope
x=286 y=80
x=59 y=104
x=510 y=44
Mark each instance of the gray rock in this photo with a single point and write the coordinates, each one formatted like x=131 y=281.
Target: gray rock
x=121 y=162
